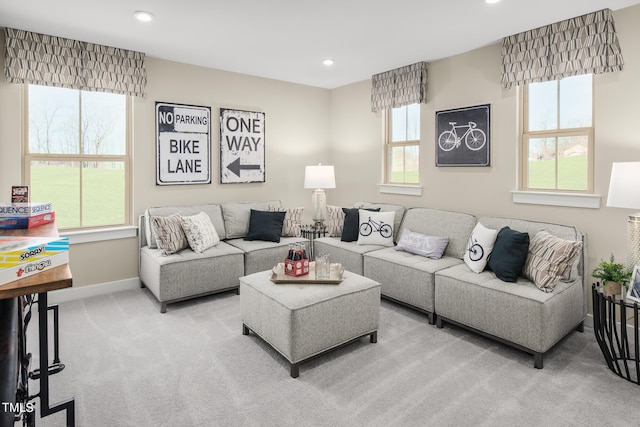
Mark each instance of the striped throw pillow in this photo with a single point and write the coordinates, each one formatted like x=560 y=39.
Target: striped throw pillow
x=550 y=259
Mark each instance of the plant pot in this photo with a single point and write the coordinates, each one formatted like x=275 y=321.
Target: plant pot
x=612 y=288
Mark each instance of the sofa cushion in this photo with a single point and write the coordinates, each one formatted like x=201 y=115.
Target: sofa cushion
x=265 y=225
x=352 y=224
x=335 y=221
x=169 y=233
x=423 y=245
x=550 y=259
x=292 y=220
x=375 y=228
x=200 y=232
x=214 y=212
x=566 y=232
x=236 y=216
x=456 y=226
x=479 y=247
x=509 y=254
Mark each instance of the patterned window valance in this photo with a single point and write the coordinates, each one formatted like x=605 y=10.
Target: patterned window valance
x=55 y=61
x=583 y=45
x=402 y=86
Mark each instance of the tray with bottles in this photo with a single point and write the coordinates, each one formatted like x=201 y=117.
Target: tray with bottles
x=278 y=275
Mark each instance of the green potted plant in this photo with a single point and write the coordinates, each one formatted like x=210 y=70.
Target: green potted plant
x=613 y=275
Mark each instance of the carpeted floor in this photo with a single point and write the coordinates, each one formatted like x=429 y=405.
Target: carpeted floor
x=129 y=365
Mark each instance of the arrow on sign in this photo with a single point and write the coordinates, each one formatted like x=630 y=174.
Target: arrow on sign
x=236 y=167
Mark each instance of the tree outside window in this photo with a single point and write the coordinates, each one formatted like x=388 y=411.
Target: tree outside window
x=557 y=137
x=77 y=155
x=402 y=148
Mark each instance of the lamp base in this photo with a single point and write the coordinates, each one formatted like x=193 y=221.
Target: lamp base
x=319 y=205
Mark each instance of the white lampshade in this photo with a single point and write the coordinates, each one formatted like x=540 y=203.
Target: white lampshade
x=624 y=187
x=319 y=177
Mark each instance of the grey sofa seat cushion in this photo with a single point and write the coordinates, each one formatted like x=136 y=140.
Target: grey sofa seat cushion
x=212 y=210
x=187 y=273
x=517 y=312
x=456 y=226
x=237 y=214
x=406 y=277
x=349 y=254
x=261 y=255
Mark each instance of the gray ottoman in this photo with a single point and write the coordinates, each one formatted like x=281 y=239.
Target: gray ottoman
x=303 y=321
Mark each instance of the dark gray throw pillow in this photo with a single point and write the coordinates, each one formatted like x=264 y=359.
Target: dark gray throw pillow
x=509 y=254
x=265 y=225
x=350 y=230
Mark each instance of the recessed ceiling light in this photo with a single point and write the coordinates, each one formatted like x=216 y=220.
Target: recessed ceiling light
x=491 y=1
x=328 y=62
x=143 y=16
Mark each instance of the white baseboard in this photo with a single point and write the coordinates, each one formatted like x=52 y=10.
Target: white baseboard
x=74 y=293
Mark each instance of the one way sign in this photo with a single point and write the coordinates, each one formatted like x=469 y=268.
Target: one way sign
x=241 y=146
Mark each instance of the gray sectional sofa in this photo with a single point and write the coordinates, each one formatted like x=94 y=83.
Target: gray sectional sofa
x=446 y=290
x=187 y=274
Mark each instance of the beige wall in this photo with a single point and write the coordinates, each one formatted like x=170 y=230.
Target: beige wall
x=306 y=125
x=474 y=78
x=296 y=135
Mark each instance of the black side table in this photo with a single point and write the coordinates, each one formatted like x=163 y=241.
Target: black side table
x=312 y=232
x=620 y=347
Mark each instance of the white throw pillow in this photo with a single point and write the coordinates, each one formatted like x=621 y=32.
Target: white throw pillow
x=335 y=221
x=422 y=244
x=375 y=228
x=200 y=232
x=291 y=227
x=479 y=247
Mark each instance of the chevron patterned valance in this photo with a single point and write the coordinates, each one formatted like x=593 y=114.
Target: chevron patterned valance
x=402 y=86
x=582 y=45
x=55 y=61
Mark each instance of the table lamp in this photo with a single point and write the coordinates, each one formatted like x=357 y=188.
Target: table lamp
x=319 y=177
x=624 y=192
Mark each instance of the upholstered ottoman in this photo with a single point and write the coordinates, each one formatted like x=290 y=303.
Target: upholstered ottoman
x=301 y=321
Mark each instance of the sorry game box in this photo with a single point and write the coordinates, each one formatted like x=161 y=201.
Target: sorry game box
x=21 y=257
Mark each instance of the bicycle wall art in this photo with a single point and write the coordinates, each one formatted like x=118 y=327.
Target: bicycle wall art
x=463 y=136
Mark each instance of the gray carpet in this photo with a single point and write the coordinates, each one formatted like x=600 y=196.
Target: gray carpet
x=129 y=365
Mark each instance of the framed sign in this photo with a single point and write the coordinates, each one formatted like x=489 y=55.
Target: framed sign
x=463 y=136
x=183 y=146
x=241 y=146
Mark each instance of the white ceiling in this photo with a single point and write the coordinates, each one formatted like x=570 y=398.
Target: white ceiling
x=288 y=39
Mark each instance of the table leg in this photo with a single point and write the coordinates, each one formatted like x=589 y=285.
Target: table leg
x=45 y=408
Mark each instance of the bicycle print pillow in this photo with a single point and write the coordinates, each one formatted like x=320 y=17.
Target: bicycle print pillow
x=479 y=247
x=375 y=228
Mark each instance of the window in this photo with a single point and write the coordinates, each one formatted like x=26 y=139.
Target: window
x=402 y=147
x=557 y=138
x=77 y=155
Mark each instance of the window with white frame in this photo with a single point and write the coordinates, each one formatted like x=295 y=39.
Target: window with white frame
x=557 y=135
x=402 y=145
x=77 y=155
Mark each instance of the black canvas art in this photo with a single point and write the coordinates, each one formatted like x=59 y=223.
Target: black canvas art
x=463 y=137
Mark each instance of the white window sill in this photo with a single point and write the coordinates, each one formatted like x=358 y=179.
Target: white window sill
x=573 y=200
x=98 y=235
x=405 y=190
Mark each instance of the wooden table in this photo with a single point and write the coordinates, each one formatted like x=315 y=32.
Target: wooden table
x=41 y=283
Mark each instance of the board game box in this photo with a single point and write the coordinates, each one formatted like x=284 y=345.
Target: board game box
x=19 y=194
x=22 y=257
x=21 y=210
x=13 y=223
